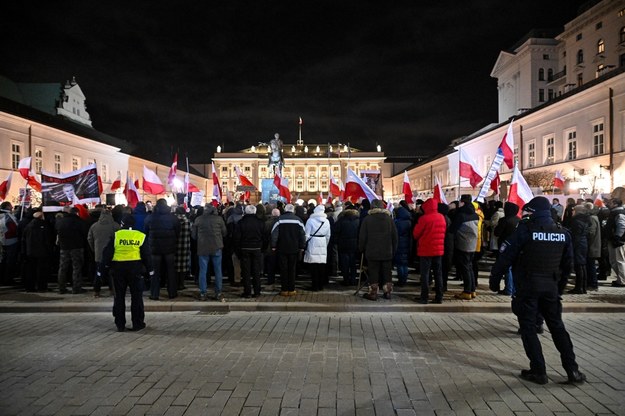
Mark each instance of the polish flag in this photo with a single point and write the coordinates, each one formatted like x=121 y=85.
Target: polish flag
x=130 y=190
x=507 y=147
x=408 y=197
x=335 y=189
x=189 y=187
x=356 y=188
x=320 y=198
x=468 y=168
x=172 y=171
x=152 y=183
x=283 y=189
x=439 y=195
x=5 y=186
x=558 y=180
x=28 y=174
x=137 y=183
x=495 y=183
x=117 y=183
x=520 y=192
x=100 y=186
x=242 y=178
x=216 y=187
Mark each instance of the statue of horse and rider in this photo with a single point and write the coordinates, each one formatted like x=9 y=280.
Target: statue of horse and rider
x=275 y=153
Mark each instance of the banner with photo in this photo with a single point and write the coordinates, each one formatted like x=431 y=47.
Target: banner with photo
x=64 y=189
x=373 y=179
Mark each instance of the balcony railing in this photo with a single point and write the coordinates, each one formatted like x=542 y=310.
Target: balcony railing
x=557 y=75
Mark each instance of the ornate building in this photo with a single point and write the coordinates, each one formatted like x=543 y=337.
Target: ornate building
x=307 y=167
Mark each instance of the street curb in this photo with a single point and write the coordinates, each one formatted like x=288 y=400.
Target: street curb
x=202 y=307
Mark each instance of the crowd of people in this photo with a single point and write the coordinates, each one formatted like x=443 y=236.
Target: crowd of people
x=252 y=245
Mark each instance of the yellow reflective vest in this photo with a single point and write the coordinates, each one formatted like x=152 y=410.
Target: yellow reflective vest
x=127 y=244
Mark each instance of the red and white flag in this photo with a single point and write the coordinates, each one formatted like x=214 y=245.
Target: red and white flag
x=28 y=174
x=216 y=186
x=495 y=183
x=151 y=182
x=131 y=192
x=188 y=186
x=335 y=189
x=520 y=192
x=468 y=168
x=356 y=188
x=243 y=180
x=5 y=186
x=320 y=198
x=172 y=171
x=117 y=183
x=439 y=195
x=406 y=190
x=301 y=121
x=507 y=147
x=283 y=189
x=558 y=180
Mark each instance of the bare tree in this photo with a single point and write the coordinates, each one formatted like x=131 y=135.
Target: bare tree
x=540 y=178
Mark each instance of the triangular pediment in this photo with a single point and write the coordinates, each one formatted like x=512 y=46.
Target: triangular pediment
x=503 y=60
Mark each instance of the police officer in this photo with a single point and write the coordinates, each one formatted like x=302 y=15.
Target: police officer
x=125 y=253
x=540 y=253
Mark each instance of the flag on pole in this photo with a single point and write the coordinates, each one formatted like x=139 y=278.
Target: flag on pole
x=407 y=191
x=28 y=174
x=558 y=180
x=390 y=206
x=520 y=192
x=189 y=187
x=468 y=168
x=216 y=186
x=117 y=183
x=335 y=189
x=5 y=186
x=356 y=188
x=301 y=121
x=507 y=147
x=243 y=180
x=172 y=171
x=100 y=186
x=151 y=182
x=131 y=193
x=283 y=189
x=439 y=195
x=320 y=198
x=495 y=183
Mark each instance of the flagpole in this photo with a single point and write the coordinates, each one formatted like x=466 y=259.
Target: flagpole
x=459 y=179
x=23 y=200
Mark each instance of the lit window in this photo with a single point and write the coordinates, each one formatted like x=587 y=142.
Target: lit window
x=600 y=46
x=597 y=139
x=38 y=160
x=57 y=163
x=531 y=155
x=600 y=69
x=16 y=155
x=75 y=163
x=550 y=149
x=571 y=138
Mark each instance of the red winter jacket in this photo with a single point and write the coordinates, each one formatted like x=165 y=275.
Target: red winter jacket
x=430 y=231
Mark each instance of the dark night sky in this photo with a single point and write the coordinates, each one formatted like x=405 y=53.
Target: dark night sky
x=410 y=75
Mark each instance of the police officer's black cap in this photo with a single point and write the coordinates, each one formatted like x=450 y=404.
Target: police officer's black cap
x=128 y=221
x=538 y=203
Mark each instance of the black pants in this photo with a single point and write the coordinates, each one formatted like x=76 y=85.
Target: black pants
x=347 y=261
x=380 y=271
x=37 y=273
x=127 y=274
x=527 y=308
x=433 y=263
x=288 y=264
x=464 y=268
x=250 y=268
x=170 y=270
x=318 y=273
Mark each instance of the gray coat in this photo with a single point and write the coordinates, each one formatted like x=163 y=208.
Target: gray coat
x=209 y=230
x=594 y=238
x=101 y=233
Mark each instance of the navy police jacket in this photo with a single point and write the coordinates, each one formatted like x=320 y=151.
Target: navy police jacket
x=540 y=253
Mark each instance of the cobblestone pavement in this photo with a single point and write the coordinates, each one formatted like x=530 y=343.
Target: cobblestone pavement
x=334 y=298
x=271 y=363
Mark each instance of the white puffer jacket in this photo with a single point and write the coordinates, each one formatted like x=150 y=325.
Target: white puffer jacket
x=317 y=248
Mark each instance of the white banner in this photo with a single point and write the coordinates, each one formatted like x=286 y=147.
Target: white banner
x=492 y=172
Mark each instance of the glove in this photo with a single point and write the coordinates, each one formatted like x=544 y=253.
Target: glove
x=151 y=273
x=493 y=284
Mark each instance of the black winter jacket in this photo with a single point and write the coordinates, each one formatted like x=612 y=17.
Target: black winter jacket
x=346 y=231
x=72 y=232
x=162 y=229
x=249 y=233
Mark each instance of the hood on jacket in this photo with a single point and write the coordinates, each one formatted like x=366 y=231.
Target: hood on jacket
x=106 y=217
x=139 y=209
x=429 y=206
x=510 y=209
x=402 y=213
x=162 y=209
x=209 y=209
x=443 y=208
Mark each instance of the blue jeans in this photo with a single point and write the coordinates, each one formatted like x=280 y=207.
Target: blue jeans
x=216 y=261
x=509 y=282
